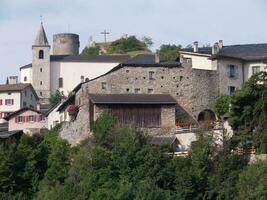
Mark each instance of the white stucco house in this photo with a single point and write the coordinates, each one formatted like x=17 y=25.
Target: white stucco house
x=16 y=96
x=28 y=120
x=234 y=63
x=63 y=68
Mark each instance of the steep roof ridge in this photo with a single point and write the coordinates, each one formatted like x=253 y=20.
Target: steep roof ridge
x=41 y=39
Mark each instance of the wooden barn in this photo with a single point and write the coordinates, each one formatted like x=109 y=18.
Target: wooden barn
x=153 y=112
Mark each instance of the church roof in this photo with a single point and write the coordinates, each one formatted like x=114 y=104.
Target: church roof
x=41 y=39
x=90 y=58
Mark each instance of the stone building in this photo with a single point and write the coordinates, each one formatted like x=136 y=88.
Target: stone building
x=194 y=90
x=235 y=63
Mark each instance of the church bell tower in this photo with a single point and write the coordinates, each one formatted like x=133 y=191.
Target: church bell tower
x=41 y=66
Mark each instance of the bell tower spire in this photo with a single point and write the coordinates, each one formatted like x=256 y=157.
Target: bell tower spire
x=41 y=39
x=41 y=65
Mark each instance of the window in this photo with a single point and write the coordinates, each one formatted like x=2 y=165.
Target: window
x=181 y=78
x=41 y=94
x=24 y=104
x=25 y=93
x=25 y=78
x=60 y=82
x=82 y=78
x=104 y=85
x=9 y=93
x=150 y=91
x=231 y=90
x=9 y=102
x=41 y=54
x=87 y=79
x=1 y=102
x=42 y=118
x=151 y=75
x=31 y=118
x=232 y=71
x=255 y=69
x=137 y=90
x=41 y=69
x=31 y=96
x=127 y=89
x=20 y=119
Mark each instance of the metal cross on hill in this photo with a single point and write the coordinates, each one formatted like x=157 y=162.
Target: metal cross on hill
x=105 y=33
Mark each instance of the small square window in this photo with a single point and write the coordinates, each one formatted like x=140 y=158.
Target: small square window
x=137 y=90
x=41 y=82
x=181 y=78
x=150 y=91
x=255 y=69
x=104 y=85
x=127 y=89
x=231 y=89
x=20 y=119
x=31 y=118
x=41 y=70
x=151 y=75
x=9 y=93
x=127 y=71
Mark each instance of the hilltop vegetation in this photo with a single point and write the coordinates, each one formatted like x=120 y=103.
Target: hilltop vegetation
x=117 y=163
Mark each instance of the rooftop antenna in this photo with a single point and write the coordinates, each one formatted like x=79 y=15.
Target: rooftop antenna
x=68 y=27
x=41 y=19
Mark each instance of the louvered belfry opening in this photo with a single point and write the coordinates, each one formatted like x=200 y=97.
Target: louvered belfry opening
x=142 y=116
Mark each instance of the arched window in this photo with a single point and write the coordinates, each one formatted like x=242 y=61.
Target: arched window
x=41 y=54
x=25 y=78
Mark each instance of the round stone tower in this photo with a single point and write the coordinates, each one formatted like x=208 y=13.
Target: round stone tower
x=66 y=44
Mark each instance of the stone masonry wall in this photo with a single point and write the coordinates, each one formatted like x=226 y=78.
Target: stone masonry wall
x=195 y=90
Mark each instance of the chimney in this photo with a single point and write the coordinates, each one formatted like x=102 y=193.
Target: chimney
x=220 y=44
x=215 y=48
x=195 y=46
x=157 y=58
x=12 y=80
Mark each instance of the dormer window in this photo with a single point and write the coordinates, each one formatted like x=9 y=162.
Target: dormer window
x=41 y=54
x=25 y=78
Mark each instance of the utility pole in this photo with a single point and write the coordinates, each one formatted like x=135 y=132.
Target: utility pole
x=105 y=33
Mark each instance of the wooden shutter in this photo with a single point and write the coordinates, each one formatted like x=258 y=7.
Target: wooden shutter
x=1 y=102
x=16 y=119
x=5 y=101
x=12 y=101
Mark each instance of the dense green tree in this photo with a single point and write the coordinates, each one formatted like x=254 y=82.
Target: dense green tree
x=127 y=44
x=55 y=98
x=148 y=41
x=222 y=105
x=252 y=183
x=91 y=50
x=169 y=52
x=248 y=112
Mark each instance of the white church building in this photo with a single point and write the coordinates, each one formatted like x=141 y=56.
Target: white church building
x=64 y=68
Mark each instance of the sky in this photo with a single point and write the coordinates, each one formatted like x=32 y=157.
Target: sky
x=166 y=22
